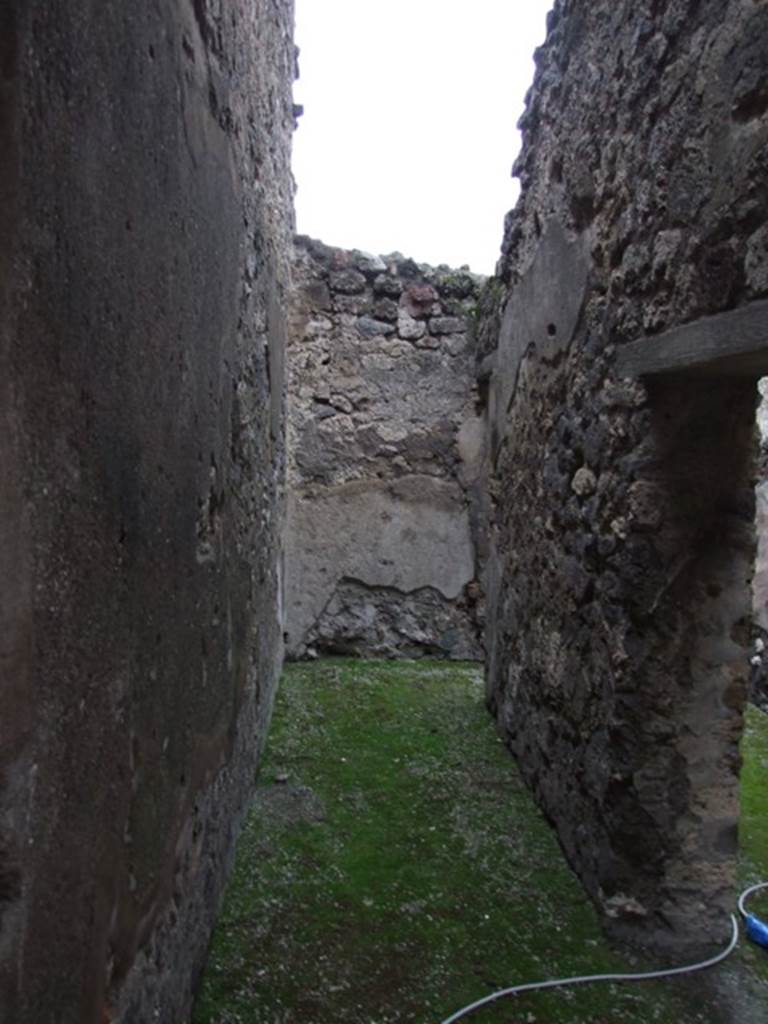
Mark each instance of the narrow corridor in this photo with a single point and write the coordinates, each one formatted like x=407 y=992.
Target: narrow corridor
x=394 y=868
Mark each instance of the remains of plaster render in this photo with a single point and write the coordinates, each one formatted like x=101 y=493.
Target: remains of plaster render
x=385 y=467
x=142 y=283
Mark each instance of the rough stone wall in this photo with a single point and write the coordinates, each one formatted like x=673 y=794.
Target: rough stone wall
x=619 y=602
x=759 y=660
x=384 y=458
x=145 y=231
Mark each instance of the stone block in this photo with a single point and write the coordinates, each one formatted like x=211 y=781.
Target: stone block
x=367 y=327
x=446 y=325
x=348 y=282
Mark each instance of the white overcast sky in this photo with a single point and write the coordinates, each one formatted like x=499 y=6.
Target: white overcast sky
x=409 y=127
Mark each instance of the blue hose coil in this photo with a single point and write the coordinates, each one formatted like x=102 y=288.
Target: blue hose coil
x=756 y=930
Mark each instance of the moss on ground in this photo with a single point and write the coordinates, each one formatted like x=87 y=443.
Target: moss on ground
x=753 y=826
x=395 y=868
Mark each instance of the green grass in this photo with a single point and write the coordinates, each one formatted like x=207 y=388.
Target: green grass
x=753 y=825
x=394 y=868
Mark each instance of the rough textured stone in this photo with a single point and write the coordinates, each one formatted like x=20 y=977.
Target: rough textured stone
x=446 y=325
x=384 y=491
x=583 y=482
x=404 y=536
x=761 y=565
x=756 y=261
x=759 y=659
x=388 y=284
x=419 y=300
x=386 y=621
x=410 y=329
x=348 y=282
x=142 y=279
x=370 y=328
x=618 y=618
x=386 y=309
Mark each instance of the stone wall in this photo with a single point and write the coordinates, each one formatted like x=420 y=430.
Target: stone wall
x=145 y=228
x=384 y=458
x=619 y=602
x=759 y=660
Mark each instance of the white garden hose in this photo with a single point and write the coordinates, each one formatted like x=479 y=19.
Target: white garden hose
x=756 y=929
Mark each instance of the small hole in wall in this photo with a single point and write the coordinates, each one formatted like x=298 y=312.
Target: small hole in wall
x=551 y=330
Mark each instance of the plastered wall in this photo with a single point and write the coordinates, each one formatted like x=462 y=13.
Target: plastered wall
x=145 y=204
x=385 y=458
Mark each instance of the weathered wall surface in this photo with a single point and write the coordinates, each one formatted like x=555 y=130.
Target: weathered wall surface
x=619 y=600
x=145 y=227
x=384 y=458
x=759 y=660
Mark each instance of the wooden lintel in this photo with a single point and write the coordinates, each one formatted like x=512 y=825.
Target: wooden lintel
x=726 y=344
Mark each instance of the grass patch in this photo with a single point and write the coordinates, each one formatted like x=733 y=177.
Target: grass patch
x=395 y=868
x=753 y=825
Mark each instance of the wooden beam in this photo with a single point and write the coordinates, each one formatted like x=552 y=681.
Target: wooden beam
x=732 y=344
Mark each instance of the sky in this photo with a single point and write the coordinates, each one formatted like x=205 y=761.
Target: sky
x=409 y=128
